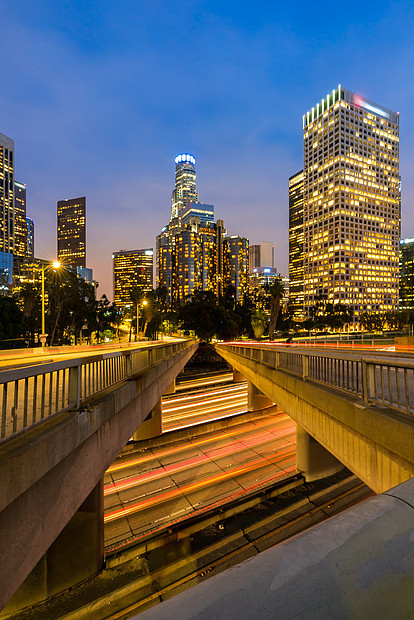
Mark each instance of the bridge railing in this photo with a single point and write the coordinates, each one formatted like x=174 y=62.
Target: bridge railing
x=377 y=379
x=31 y=395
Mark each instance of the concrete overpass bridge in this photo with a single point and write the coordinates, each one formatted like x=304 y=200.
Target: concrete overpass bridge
x=62 y=425
x=351 y=408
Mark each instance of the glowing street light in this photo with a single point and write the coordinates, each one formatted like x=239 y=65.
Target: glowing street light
x=43 y=335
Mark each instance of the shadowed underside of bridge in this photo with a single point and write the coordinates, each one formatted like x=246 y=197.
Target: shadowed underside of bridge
x=375 y=443
x=50 y=481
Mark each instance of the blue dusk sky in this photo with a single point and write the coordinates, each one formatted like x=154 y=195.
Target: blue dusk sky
x=101 y=96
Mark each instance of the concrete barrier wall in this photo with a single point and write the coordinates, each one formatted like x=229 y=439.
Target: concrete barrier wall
x=359 y=564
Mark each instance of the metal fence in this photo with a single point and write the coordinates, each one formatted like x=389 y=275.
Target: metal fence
x=377 y=379
x=33 y=394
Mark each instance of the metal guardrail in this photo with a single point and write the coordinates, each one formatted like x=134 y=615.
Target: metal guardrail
x=33 y=394
x=381 y=380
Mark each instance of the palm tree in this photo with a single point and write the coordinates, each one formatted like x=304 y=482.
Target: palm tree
x=277 y=292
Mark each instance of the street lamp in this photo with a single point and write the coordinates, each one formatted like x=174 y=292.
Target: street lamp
x=144 y=303
x=43 y=335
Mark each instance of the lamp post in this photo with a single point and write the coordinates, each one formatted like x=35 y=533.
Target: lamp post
x=144 y=303
x=43 y=335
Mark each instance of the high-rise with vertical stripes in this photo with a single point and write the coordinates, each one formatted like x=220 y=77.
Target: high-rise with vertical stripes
x=351 y=204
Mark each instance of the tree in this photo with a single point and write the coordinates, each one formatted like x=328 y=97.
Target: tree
x=277 y=293
x=259 y=321
x=11 y=318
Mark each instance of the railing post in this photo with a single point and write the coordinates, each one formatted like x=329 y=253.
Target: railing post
x=75 y=385
x=305 y=367
x=277 y=360
x=128 y=364
x=368 y=381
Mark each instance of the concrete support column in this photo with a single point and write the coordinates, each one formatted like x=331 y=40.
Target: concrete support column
x=152 y=425
x=237 y=376
x=171 y=388
x=312 y=459
x=256 y=400
x=76 y=555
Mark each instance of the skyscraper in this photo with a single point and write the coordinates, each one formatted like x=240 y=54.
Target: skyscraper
x=30 y=237
x=407 y=273
x=185 y=184
x=6 y=194
x=296 y=294
x=236 y=264
x=351 y=208
x=262 y=255
x=20 y=229
x=132 y=268
x=71 y=231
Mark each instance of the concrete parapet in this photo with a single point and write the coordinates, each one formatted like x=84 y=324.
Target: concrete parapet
x=358 y=564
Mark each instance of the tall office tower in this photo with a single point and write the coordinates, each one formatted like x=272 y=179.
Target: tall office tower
x=132 y=268
x=236 y=265
x=407 y=273
x=71 y=231
x=185 y=184
x=20 y=229
x=296 y=294
x=219 y=271
x=29 y=237
x=262 y=255
x=6 y=194
x=193 y=263
x=351 y=210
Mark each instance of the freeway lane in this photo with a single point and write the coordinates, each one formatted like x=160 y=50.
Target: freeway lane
x=180 y=411
x=160 y=486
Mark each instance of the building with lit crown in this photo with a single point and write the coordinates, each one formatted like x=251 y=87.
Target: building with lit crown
x=407 y=273
x=131 y=269
x=191 y=250
x=71 y=232
x=185 y=184
x=351 y=204
x=6 y=194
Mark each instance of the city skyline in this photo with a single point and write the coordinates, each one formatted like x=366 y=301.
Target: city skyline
x=247 y=141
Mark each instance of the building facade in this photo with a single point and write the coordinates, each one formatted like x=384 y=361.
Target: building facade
x=236 y=265
x=29 y=237
x=351 y=206
x=6 y=194
x=406 y=273
x=296 y=291
x=71 y=232
x=20 y=229
x=262 y=255
x=131 y=269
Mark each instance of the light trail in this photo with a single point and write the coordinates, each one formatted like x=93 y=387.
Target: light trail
x=170 y=405
x=182 y=491
x=201 y=442
x=185 y=385
x=223 y=451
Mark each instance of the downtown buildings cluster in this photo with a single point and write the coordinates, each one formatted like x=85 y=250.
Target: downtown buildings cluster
x=344 y=225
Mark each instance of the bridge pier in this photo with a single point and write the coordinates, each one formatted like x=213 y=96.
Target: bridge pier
x=256 y=400
x=312 y=459
x=237 y=376
x=152 y=425
x=76 y=555
x=171 y=388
